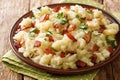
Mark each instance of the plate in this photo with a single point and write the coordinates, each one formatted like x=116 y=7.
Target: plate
x=67 y=71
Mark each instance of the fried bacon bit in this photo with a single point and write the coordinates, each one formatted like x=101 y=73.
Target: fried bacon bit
x=67 y=7
x=89 y=50
x=94 y=58
x=33 y=23
x=37 y=32
x=37 y=44
x=102 y=28
x=71 y=37
x=24 y=28
x=17 y=31
x=88 y=19
x=56 y=9
x=44 y=17
x=62 y=55
x=81 y=64
x=110 y=49
x=22 y=41
x=90 y=8
x=17 y=44
x=95 y=48
x=65 y=30
x=18 y=27
x=49 y=51
x=50 y=38
x=58 y=26
x=87 y=37
x=71 y=28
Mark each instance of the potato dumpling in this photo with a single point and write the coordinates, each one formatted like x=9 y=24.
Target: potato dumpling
x=66 y=37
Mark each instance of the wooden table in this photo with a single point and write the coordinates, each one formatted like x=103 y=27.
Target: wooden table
x=11 y=10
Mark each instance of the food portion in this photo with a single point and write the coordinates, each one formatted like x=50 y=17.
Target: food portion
x=67 y=37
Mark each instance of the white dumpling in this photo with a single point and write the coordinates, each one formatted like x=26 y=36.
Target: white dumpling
x=94 y=24
x=45 y=59
x=26 y=22
x=20 y=35
x=97 y=13
x=106 y=53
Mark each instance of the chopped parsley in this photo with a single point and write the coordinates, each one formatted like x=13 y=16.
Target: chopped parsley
x=63 y=22
x=34 y=30
x=60 y=15
x=82 y=21
x=111 y=42
x=90 y=11
x=49 y=33
x=83 y=26
x=45 y=39
x=77 y=16
x=31 y=34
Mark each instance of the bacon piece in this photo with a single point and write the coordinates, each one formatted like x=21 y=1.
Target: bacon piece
x=58 y=26
x=56 y=9
x=88 y=19
x=71 y=37
x=88 y=8
x=94 y=58
x=95 y=47
x=24 y=28
x=17 y=44
x=81 y=64
x=22 y=41
x=44 y=17
x=102 y=28
x=18 y=27
x=17 y=31
x=49 y=51
x=110 y=49
x=33 y=23
x=62 y=55
x=71 y=28
x=87 y=37
x=50 y=38
x=37 y=44
x=67 y=7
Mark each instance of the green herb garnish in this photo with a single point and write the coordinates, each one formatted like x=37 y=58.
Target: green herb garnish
x=31 y=34
x=63 y=22
x=34 y=30
x=90 y=11
x=95 y=35
x=77 y=16
x=49 y=33
x=45 y=39
x=111 y=42
x=60 y=15
x=82 y=21
x=83 y=26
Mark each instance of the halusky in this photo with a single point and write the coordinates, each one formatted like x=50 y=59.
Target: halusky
x=66 y=37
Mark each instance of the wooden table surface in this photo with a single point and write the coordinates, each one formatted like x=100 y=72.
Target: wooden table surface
x=11 y=10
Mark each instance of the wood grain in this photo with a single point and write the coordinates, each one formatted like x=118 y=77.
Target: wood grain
x=100 y=1
x=27 y=78
x=10 y=11
x=116 y=69
x=112 y=5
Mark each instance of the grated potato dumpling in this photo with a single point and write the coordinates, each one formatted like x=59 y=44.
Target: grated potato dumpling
x=66 y=37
